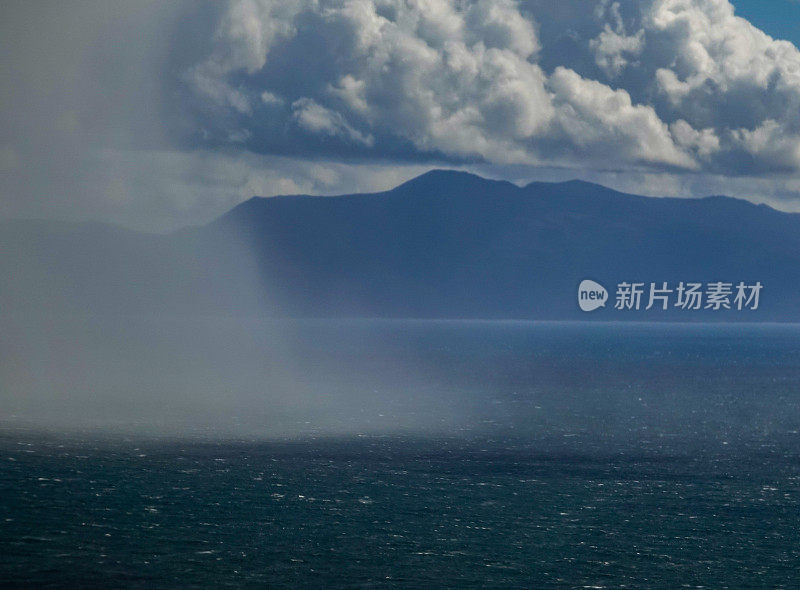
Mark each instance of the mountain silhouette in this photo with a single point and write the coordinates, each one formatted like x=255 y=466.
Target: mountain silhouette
x=446 y=244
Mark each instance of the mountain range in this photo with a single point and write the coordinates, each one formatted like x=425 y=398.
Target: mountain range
x=446 y=244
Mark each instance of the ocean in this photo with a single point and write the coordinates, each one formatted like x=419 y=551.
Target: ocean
x=474 y=455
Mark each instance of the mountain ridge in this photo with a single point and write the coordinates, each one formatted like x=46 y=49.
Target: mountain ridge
x=446 y=175
x=444 y=244
x=563 y=189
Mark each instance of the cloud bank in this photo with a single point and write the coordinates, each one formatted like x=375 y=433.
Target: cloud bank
x=157 y=116
x=665 y=84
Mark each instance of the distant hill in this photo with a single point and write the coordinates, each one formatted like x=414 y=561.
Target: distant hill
x=445 y=244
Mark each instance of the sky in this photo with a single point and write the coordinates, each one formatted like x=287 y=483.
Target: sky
x=159 y=115
x=779 y=19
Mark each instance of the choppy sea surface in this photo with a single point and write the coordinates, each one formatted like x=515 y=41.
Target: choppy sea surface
x=594 y=456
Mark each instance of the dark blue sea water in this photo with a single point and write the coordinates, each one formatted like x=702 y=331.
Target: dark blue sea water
x=547 y=456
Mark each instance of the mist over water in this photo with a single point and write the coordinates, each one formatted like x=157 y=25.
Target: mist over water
x=632 y=384
x=106 y=330
x=397 y=453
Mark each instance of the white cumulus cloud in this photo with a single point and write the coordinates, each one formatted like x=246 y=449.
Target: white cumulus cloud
x=436 y=77
x=678 y=84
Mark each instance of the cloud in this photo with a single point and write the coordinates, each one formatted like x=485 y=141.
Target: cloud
x=156 y=115
x=614 y=49
x=430 y=78
x=92 y=119
x=316 y=118
x=707 y=71
x=729 y=76
x=662 y=84
x=594 y=116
